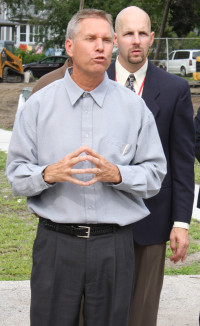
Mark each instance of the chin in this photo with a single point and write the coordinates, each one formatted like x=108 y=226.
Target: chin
x=136 y=60
x=101 y=68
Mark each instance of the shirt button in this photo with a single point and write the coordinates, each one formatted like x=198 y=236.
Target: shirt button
x=90 y=207
x=86 y=135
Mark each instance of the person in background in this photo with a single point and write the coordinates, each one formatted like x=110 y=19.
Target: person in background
x=168 y=97
x=52 y=76
x=85 y=151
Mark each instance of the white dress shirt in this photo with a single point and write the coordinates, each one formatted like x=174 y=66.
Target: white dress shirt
x=122 y=74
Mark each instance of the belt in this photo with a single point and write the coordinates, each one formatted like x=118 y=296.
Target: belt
x=81 y=231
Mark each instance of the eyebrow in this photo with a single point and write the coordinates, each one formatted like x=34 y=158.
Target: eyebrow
x=103 y=37
x=132 y=32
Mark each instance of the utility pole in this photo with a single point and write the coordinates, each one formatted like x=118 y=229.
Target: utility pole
x=162 y=28
x=81 y=4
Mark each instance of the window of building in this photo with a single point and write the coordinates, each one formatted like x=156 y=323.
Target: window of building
x=23 y=33
x=31 y=35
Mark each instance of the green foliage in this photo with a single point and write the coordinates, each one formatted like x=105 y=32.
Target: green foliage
x=55 y=15
x=197 y=171
x=16 y=245
x=29 y=56
x=191 y=44
x=184 y=16
x=153 y=8
x=32 y=57
x=195 y=230
x=193 y=269
x=2 y=160
x=59 y=12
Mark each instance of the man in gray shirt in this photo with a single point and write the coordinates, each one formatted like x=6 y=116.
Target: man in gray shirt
x=85 y=151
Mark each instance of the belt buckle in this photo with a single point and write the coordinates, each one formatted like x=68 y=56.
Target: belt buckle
x=88 y=231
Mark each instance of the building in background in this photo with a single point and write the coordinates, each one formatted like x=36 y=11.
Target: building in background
x=22 y=33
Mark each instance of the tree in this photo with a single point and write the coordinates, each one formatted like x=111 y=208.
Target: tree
x=162 y=28
x=55 y=14
x=184 y=16
x=54 y=19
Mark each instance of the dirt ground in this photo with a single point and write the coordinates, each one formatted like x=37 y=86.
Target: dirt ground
x=9 y=96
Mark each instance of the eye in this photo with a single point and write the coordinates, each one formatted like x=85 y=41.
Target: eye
x=128 y=34
x=108 y=40
x=143 y=33
x=90 y=38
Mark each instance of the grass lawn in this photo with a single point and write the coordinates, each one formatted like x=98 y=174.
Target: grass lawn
x=18 y=229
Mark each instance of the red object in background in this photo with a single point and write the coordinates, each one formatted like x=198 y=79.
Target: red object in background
x=23 y=47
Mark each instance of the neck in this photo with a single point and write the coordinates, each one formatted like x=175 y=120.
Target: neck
x=87 y=82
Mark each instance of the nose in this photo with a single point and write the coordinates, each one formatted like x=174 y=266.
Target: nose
x=136 y=38
x=99 y=44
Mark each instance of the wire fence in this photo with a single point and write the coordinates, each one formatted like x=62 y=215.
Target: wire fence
x=171 y=44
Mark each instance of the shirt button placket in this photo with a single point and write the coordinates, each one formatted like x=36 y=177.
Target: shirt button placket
x=87 y=139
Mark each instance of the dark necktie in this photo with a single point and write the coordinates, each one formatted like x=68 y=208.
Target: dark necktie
x=129 y=82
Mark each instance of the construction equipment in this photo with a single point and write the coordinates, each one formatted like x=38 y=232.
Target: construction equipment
x=11 y=69
x=196 y=75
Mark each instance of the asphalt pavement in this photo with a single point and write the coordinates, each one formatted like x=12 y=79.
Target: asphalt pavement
x=180 y=297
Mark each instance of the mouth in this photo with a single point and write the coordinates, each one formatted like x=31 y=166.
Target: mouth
x=135 y=51
x=99 y=59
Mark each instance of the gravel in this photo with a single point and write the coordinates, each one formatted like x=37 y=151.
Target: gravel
x=179 y=304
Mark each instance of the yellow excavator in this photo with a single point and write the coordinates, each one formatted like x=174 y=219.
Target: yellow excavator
x=196 y=75
x=11 y=68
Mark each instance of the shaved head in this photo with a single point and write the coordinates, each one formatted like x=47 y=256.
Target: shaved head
x=132 y=10
x=133 y=37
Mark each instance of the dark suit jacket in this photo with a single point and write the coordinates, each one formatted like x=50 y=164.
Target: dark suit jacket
x=168 y=97
x=197 y=143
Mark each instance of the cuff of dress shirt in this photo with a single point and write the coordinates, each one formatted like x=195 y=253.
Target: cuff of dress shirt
x=182 y=225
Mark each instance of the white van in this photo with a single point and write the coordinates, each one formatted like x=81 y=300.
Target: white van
x=182 y=62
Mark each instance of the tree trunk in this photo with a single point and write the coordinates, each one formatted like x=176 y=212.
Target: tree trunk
x=81 y=4
x=162 y=28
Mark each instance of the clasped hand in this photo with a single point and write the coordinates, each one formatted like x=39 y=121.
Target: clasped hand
x=64 y=171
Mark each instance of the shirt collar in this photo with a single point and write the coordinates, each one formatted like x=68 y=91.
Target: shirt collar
x=122 y=74
x=75 y=92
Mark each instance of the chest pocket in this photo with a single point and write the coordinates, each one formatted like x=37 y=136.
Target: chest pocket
x=115 y=151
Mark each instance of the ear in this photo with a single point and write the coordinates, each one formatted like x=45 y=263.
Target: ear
x=69 y=47
x=152 y=38
x=115 y=39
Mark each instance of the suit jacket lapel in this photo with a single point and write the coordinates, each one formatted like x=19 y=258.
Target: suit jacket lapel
x=151 y=90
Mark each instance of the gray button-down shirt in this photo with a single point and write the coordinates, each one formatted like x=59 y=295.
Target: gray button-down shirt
x=110 y=119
